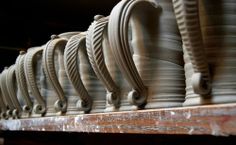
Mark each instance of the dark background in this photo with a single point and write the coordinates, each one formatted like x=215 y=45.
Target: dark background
x=27 y=23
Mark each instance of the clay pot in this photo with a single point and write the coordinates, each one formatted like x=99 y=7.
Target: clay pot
x=22 y=93
x=71 y=83
x=3 y=104
x=208 y=33
x=90 y=90
x=9 y=93
x=6 y=111
x=61 y=98
x=12 y=88
x=34 y=76
x=105 y=67
x=147 y=47
x=5 y=94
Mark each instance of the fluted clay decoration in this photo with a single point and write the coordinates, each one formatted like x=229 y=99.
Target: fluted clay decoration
x=33 y=71
x=12 y=90
x=76 y=46
x=71 y=61
x=53 y=65
x=23 y=93
x=3 y=105
x=104 y=66
x=148 y=32
x=208 y=31
x=5 y=94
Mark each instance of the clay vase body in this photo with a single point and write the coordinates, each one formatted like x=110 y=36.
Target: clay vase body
x=82 y=76
x=210 y=62
x=105 y=67
x=147 y=47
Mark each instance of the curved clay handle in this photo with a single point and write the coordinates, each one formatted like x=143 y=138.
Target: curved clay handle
x=118 y=36
x=94 y=39
x=5 y=93
x=186 y=12
x=2 y=104
x=12 y=87
x=72 y=70
x=29 y=66
x=49 y=68
x=21 y=81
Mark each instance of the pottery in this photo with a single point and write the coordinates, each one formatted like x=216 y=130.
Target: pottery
x=3 y=104
x=208 y=33
x=72 y=62
x=12 y=88
x=22 y=93
x=9 y=93
x=147 y=47
x=61 y=93
x=77 y=97
x=105 y=67
x=59 y=100
x=82 y=76
x=5 y=94
x=34 y=74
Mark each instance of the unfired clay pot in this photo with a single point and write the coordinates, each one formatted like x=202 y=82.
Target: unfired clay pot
x=5 y=94
x=72 y=62
x=77 y=96
x=62 y=98
x=12 y=88
x=147 y=47
x=9 y=92
x=208 y=29
x=3 y=103
x=34 y=75
x=105 y=67
x=23 y=92
x=80 y=72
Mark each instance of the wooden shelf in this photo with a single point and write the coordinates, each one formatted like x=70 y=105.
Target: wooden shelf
x=217 y=120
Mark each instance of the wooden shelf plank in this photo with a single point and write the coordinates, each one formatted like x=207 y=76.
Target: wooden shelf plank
x=205 y=120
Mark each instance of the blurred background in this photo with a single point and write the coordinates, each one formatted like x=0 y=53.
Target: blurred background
x=28 y=23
